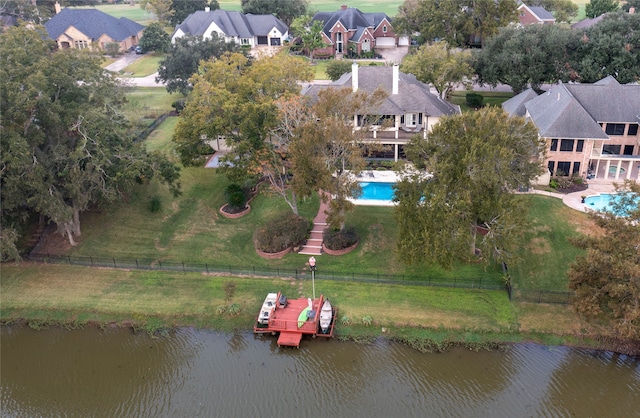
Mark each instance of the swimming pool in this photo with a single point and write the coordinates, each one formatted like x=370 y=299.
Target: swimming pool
x=377 y=191
x=603 y=202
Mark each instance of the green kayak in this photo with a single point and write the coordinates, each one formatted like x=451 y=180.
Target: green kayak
x=302 y=318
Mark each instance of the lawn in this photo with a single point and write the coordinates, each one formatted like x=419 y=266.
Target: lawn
x=491 y=98
x=146 y=65
x=133 y=12
x=145 y=104
x=390 y=7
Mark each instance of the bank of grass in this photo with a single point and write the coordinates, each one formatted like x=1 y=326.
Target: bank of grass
x=146 y=65
x=145 y=104
x=130 y=11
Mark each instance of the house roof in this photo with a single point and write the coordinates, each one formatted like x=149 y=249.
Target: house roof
x=540 y=12
x=576 y=110
x=351 y=18
x=587 y=23
x=515 y=105
x=413 y=96
x=93 y=23
x=232 y=23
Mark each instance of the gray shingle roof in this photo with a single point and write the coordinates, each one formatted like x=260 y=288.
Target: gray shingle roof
x=350 y=18
x=575 y=110
x=542 y=13
x=232 y=23
x=93 y=23
x=413 y=96
x=515 y=105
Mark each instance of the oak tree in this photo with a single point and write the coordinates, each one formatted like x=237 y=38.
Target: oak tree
x=607 y=278
x=597 y=7
x=155 y=38
x=285 y=10
x=465 y=205
x=183 y=8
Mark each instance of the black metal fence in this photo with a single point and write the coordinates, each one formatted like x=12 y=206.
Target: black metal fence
x=253 y=271
x=542 y=296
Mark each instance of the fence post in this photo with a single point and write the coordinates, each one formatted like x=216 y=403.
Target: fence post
x=91 y=258
x=206 y=266
x=69 y=258
x=160 y=263
x=114 y=262
x=183 y=270
x=137 y=266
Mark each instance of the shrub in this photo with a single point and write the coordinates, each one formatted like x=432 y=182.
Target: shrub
x=335 y=69
x=553 y=183
x=287 y=230
x=155 y=204
x=474 y=100
x=236 y=197
x=340 y=239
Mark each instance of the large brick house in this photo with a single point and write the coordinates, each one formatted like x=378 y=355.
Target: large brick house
x=591 y=129
x=534 y=15
x=409 y=109
x=91 y=28
x=350 y=30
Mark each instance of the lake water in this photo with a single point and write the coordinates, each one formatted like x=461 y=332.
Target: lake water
x=190 y=373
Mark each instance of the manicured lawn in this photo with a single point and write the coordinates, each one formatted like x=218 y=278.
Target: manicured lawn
x=146 y=65
x=390 y=7
x=543 y=261
x=133 y=12
x=491 y=98
x=147 y=103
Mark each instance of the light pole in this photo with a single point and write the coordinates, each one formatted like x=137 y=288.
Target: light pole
x=312 y=265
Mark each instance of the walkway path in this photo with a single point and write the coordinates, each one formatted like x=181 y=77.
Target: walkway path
x=574 y=200
x=313 y=246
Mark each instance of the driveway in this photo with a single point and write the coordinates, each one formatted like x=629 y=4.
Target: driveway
x=122 y=62
x=393 y=55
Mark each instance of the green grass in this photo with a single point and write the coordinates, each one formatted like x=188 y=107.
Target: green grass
x=133 y=12
x=390 y=7
x=544 y=259
x=144 y=104
x=146 y=65
x=491 y=98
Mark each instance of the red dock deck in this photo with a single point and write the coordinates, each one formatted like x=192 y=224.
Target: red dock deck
x=285 y=320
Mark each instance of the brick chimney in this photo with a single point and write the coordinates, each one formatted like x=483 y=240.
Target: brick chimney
x=56 y=7
x=396 y=77
x=343 y=7
x=354 y=76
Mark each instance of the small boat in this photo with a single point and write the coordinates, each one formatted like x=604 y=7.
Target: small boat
x=326 y=314
x=302 y=318
x=267 y=307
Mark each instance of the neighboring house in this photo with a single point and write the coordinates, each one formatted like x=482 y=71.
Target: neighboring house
x=409 y=109
x=534 y=15
x=90 y=28
x=591 y=129
x=250 y=30
x=350 y=29
x=587 y=23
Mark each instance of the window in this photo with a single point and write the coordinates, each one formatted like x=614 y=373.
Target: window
x=564 y=168
x=551 y=165
x=628 y=150
x=81 y=44
x=244 y=41
x=615 y=129
x=384 y=29
x=566 y=145
x=580 y=145
x=554 y=145
x=633 y=129
x=611 y=149
x=410 y=119
x=576 y=168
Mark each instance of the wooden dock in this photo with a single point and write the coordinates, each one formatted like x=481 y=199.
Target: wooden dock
x=285 y=320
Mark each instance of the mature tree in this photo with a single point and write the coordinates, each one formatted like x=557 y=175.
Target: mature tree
x=529 y=56
x=440 y=66
x=611 y=47
x=475 y=160
x=285 y=10
x=327 y=152
x=65 y=143
x=563 y=10
x=336 y=68
x=455 y=21
x=155 y=38
x=631 y=3
x=597 y=7
x=184 y=58
x=183 y=8
x=247 y=103
x=309 y=33
x=160 y=8
x=607 y=278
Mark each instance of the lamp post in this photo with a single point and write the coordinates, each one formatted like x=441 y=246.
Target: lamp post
x=312 y=265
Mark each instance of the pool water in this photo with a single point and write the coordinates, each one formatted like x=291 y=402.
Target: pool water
x=603 y=202
x=377 y=191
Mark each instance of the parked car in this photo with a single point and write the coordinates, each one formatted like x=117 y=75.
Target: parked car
x=139 y=50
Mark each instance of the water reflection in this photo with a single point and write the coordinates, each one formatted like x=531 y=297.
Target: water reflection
x=193 y=373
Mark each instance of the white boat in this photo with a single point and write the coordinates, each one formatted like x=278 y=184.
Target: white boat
x=326 y=314
x=267 y=308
